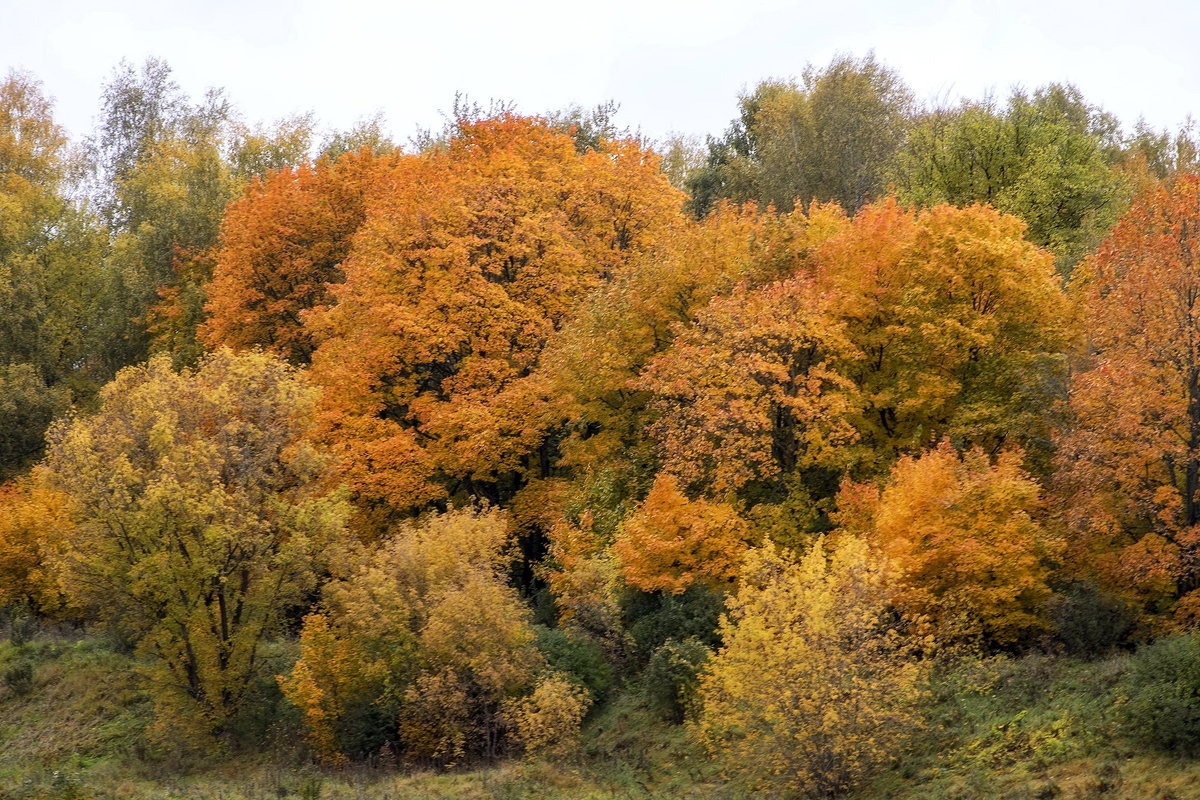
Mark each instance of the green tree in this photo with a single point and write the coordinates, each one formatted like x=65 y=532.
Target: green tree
x=830 y=138
x=48 y=251
x=1045 y=157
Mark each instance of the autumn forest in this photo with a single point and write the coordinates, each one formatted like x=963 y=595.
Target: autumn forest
x=853 y=451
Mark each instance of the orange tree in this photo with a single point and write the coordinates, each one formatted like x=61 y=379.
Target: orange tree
x=972 y=556
x=1130 y=463
x=282 y=244
x=470 y=258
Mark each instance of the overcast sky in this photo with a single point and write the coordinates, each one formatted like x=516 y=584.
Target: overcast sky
x=671 y=66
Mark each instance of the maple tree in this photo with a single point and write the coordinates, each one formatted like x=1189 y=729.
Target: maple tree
x=197 y=519
x=960 y=322
x=1130 y=462
x=812 y=689
x=753 y=389
x=973 y=559
x=671 y=542
x=595 y=360
x=465 y=266
x=282 y=244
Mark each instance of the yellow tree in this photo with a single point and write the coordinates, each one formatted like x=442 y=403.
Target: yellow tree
x=961 y=323
x=594 y=362
x=812 y=690
x=420 y=643
x=197 y=517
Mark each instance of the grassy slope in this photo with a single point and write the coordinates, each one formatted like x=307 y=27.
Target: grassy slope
x=1036 y=727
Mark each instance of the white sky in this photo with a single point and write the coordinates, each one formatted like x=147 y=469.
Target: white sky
x=673 y=66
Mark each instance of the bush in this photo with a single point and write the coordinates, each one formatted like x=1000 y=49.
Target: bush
x=1088 y=622
x=653 y=619
x=19 y=678
x=813 y=690
x=547 y=721
x=672 y=677
x=1164 y=695
x=22 y=626
x=579 y=659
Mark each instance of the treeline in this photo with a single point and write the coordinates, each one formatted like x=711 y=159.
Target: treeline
x=500 y=422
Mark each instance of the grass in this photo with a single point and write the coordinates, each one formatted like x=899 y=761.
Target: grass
x=72 y=727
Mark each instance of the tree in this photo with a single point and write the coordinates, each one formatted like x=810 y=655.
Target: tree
x=754 y=389
x=830 y=139
x=812 y=689
x=198 y=515
x=166 y=169
x=671 y=542
x=48 y=284
x=595 y=360
x=400 y=652
x=1046 y=158
x=33 y=520
x=465 y=266
x=1130 y=462
x=961 y=324
x=282 y=244
x=972 y=556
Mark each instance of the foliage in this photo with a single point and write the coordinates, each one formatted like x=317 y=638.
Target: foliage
x=401 y=654
x=33 y=519
x=27 y=407
x=585 y=580
x=751 y=390
x=1088 y=621
x=198 y=517
x=1164 y=695
x=960 y=324
x=578 y=659
x=615 y=332
x=48 y=284
x=1044 y=157
x=461 y=272
x=671 y=542
x=547 y=721
x=811 y=691
x=655 y=619
x=282 y=243
x=972 y=557
x=1130 y=462
x=671 y=679
x=830 y=139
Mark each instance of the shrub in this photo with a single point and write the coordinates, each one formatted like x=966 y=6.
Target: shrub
x=672 y=677
x=19 y=678
x=654 y=619
x=580 y=659
x=22 y=626
x=1087 y=621
x=1164 y=695
x=812 y=690
x=547 y=721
